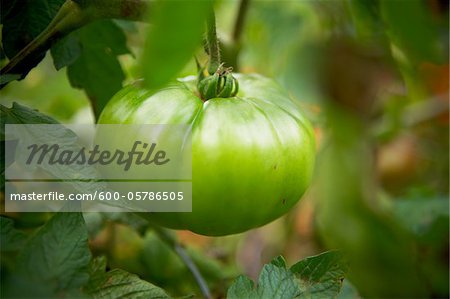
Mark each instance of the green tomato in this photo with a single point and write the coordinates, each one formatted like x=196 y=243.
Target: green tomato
x=252 y=154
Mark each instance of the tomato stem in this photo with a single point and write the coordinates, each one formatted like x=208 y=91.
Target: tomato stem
x=219 y=82
x=212 y=43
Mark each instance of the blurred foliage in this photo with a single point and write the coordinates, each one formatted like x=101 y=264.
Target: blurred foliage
x=373 y=78
x=175 y=40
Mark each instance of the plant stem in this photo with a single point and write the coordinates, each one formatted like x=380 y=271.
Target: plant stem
x=212 y=43
x=179 y=249
x=173 y=243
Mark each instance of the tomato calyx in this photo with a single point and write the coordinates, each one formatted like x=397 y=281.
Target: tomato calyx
x=221 y=84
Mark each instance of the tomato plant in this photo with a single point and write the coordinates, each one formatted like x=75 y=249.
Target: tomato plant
x=318 y=129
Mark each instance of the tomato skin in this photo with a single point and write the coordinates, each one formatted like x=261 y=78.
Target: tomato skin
x=252 y=154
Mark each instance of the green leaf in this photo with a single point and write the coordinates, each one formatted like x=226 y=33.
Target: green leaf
x=274 y=282
x=118 y=283
x=321 y=276
x=242 y=288
x=171 y=41
x=23 y=21
x=410 y=26
x=11 y=239
x=277 y=282
x=66 y=51
x=55 y=260
x=97 y=69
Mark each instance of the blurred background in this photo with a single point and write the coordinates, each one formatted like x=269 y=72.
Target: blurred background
x=373 y=77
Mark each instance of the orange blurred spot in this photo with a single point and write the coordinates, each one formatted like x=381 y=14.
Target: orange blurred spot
x=188 y=237
x=318 y=134
x=398 y=161
x=436 y=77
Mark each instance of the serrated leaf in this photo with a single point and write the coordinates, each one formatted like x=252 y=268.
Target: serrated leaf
x=55 y=260
x=274 y=282
x=171 y=41
x=97 y=69
x=277 y=282
x=321 y=276
x=118 y=283
x=242 y=288
x=11 y=239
